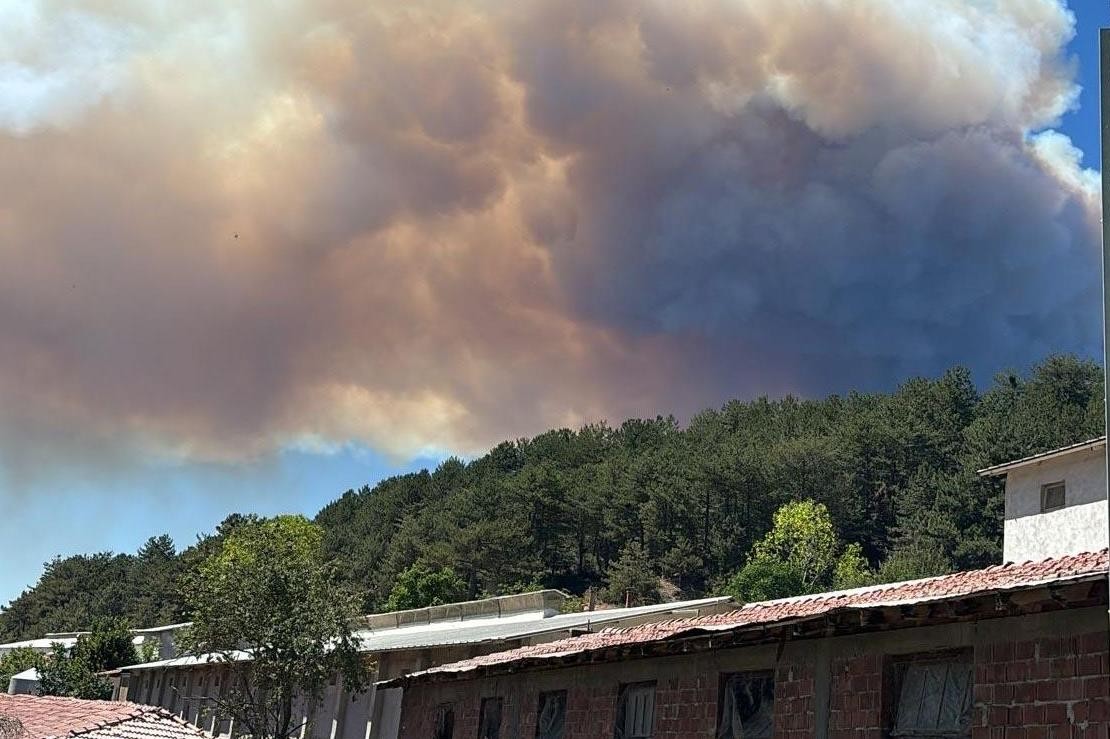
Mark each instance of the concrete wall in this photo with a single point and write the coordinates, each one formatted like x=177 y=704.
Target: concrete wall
x=1081 y=526
x=1035 y=677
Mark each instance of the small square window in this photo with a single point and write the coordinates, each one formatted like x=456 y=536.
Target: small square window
x=489 y=719
x=1052 y=497
x=444 y=721
x=635 y=711
x=746 y=706
x=551 y=714
x=934 y=696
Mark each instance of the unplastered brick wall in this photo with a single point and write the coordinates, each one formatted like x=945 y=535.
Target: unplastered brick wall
x=855 y=697
x=685 y=707
x=1037 y=688
x=590 y=712
x=1050 y=688
x=794 y=693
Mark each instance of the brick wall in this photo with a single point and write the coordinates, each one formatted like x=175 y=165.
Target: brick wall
x=1047 y=688
x=685 y=707
x=590 y=712
x=1055 y=688
x=794 y=691
x=855 y=698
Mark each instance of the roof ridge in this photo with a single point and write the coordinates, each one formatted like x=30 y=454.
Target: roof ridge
x=962 y=584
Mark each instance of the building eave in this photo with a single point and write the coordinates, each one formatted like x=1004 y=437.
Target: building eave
x=1087 y=590
x=1083 y=446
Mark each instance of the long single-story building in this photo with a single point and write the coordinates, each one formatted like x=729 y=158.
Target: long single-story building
x=1015 y=651
x=1012 y=646
x=396 y=644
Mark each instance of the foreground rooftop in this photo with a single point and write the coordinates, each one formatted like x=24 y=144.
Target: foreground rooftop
x=51 y=717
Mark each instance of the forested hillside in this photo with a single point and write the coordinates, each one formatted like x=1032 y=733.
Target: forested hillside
x=896 y=472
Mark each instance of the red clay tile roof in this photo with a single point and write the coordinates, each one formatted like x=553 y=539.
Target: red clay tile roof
x=946 y=587
x=43 y=717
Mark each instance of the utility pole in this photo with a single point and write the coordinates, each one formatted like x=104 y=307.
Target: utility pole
x=1104 y=119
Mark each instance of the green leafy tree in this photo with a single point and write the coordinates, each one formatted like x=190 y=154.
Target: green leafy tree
x=852 y=569
x=803 y=537
x=800 y=554
x=15 y=662
x=74 y=672
x=64 y=674
x=631 y=579
x=269 y=593
x=765 y=579
x=913 y=563
x=420 y=586
x=108 y=645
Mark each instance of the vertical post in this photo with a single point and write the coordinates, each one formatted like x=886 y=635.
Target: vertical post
x=1104 y=119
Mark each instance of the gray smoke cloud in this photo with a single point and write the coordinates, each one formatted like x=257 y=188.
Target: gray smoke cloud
x=234 y=227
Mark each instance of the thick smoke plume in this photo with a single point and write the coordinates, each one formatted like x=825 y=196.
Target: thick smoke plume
x=232 y=227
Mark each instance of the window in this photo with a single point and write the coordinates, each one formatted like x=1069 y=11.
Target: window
x=444 y=721
x=1052 y=497
x=934 y=696
x=551 y=713
x=635 y=711
x=746 y=706
x=489 y=719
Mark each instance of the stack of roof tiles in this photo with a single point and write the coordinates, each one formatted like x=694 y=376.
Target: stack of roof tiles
x=43 y=717
x=999 y=578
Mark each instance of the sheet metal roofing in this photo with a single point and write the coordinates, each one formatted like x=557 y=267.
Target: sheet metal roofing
x=45 y=643
x=753 y=615
x=47 y=717
x=479 y=630
x=30 y=673
x=160 y=629
x=1000 y=469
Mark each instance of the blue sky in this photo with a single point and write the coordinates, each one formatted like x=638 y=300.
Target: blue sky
x=1082 y=124
x=300 y=265
x=119 y=512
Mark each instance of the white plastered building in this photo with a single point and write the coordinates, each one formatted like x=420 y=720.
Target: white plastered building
x=1055 y=502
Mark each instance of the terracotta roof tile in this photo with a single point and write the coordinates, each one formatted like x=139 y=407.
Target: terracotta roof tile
x=43 y=717
x=995 y=578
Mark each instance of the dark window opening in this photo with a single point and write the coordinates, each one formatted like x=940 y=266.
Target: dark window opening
x=746 y=706
x=551 y=714
x=933 y=695
x=635 y=711
x=444 y=722
x=1052 y=497
x=489 y=719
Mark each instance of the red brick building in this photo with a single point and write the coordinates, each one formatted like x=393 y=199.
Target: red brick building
x=1017 y=651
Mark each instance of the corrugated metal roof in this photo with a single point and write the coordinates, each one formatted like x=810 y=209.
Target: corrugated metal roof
x=38 y=643
x=30 y=673
x=494 y=629
x=998 y=578
x=478 y=631
x=158 y=629
x=203 y=659
x=999 y=469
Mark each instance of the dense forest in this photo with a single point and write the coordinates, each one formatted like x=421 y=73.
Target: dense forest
x=570 y=508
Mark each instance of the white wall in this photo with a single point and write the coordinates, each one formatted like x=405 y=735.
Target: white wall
x=1081 y=526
